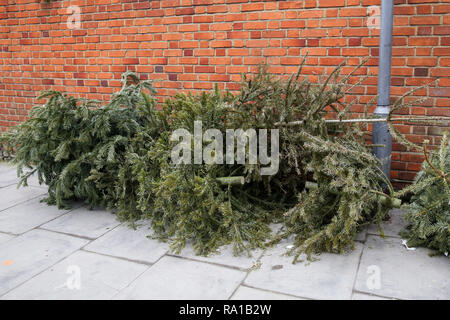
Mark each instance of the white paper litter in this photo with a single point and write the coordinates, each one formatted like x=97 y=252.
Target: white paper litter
x=404 y=243
x=289 y=246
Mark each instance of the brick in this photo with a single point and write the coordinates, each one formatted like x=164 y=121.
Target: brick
x=334 y=23
x=293 y=43
x=423 y=41
x=422 y=62
x=255 y=25
x=290 y=61
x=216 y=9
x=238 y=35
x=420 y=72
x=184 y=11
x=252 y=7
x=273 y=34
x=275 y=52
x=221 y=44
x=425 y=20
x=293 y=24
x=331 y=61
x=331 y=3
x=353 y=12
x=355 y=52
x=221 y=26
x=238 y=52
x=257 y=43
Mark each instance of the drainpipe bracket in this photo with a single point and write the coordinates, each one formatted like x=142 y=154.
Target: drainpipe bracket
x=382 y=110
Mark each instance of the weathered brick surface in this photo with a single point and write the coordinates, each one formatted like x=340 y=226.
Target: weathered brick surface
x=195 y=44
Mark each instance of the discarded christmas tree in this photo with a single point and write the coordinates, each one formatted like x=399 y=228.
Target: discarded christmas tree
x=75 y=147
x=326 y=187
x=428 y=213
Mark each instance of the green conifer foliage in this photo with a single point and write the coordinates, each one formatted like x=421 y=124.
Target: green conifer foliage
x=328 y=184
x=76 y=147
x=190 y=202
x=346 y=185
x=428 y=212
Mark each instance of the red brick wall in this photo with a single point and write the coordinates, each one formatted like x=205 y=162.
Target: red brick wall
x=193 y=44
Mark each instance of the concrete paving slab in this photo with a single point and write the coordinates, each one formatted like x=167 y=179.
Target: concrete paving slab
x=131 y=244
x=362 y=296
x=247 y=293
x=362 y=235
x=28 y=215
x=10 y=196
x=177 y=278
x=225 y=256
x=8 y=176
x=84 y=222
x=5 y=237
x=82 y=275
x=392 y=227
x=401 y=273
x=331 y=277
x=27 y=255
x=4 y=166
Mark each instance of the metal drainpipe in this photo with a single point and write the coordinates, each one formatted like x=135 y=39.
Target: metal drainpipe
x=380 y=130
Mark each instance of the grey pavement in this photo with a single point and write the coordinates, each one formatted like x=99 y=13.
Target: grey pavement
x=46 y=253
